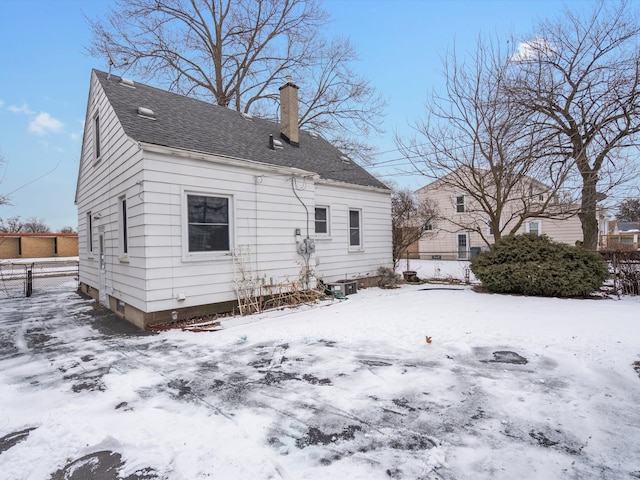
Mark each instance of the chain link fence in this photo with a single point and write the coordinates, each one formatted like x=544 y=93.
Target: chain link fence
x=19 y=279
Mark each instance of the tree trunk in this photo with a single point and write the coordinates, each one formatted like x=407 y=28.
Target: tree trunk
x=588 y=214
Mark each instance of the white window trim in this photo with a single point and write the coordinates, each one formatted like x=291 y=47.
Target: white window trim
x=188 y=256
x=123 y=228
x=467 y=255
x=97 y=137
x=355 y=248
x=89 y=233
x=527 y=226
x=328 y=233
x=464 y=204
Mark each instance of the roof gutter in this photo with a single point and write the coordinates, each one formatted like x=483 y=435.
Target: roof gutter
x=226 y=160
x=369 y=188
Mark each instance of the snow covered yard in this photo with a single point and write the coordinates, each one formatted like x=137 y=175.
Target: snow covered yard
x=509 y=387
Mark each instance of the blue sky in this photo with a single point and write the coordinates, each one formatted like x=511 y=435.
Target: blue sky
x=44 y=80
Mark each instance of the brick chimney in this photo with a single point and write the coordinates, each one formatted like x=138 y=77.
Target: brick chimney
x=289 y=112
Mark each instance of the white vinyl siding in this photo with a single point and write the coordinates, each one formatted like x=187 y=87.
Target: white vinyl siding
x=100 y=185
x=263 y=216
x=334 y=260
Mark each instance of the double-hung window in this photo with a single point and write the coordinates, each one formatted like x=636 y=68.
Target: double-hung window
x=355 y=228
x=535 y=227
x=460 y=206
x=322 y=220
x=208 y=223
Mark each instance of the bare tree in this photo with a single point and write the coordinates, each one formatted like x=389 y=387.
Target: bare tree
x=580 y=78
x=477 y=144
x=629 y=210
x=11 y=225
x=35 y=225
x=67 y=229
x=410 y=221
x=237 y=53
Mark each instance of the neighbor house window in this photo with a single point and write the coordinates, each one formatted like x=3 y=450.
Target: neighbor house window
x=534 y=227
x=122 y=224
x=322 y=220
x=55 y=245
x=89 y=233
x=460 y=207
x=208 y=220
x=463 y=246
x=96 y=135
x=490 y=228
x=355 y=228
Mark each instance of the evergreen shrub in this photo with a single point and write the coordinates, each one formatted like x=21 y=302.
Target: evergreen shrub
x=532 y=264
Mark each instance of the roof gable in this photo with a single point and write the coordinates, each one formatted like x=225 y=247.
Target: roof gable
x=190 y=124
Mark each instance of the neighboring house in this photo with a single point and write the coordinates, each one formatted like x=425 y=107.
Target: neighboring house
x=38 y=245
x=183 y=205
x=621 y=235
x=462 y=229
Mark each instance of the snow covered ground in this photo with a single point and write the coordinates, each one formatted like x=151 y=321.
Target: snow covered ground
x=509 y=388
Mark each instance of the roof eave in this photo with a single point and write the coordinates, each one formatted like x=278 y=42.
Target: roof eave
x=224 y=159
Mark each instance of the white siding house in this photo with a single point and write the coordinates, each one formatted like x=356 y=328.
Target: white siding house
x=177 y=198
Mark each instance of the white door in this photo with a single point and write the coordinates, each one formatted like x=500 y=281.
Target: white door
x=463 y=246
x=102 y=274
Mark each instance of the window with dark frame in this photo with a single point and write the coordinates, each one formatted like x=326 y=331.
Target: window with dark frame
x=322 y=220
x=124 y=232
x=89 y=233
x=96 y=131
x=208 y=220
x=354 y=228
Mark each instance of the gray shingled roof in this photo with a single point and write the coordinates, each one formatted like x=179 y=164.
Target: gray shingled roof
x=190 y=124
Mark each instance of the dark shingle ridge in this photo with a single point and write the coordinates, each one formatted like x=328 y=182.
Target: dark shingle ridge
x=190 y=124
